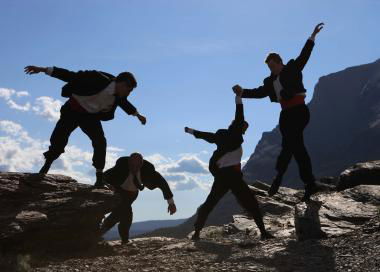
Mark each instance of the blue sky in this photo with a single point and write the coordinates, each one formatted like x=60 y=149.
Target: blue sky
x=186 y=56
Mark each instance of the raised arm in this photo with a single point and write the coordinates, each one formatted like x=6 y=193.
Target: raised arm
x=207 y=136
x=305 y=54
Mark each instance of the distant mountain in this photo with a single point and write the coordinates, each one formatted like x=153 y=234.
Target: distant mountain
x=139 y=228
x=344 y=127
x=344 y=130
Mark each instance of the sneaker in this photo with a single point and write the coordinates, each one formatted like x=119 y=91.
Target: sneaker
x=275 y=185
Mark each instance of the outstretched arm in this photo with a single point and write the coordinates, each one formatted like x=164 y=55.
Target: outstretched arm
x=304 y=56
x=62 y=74
x=207 y=136
x=259 y=92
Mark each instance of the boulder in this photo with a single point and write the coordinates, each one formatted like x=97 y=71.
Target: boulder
x=367 y=173
x=50 y=212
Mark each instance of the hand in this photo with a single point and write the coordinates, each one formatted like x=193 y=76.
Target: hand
x=188 y=130
x=238 y=90
x=142 y=119
x=318 y=28
x=172 y=208
x=34 y=69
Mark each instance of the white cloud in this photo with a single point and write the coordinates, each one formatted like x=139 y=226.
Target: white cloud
x=44 y=106
x=189 y=164
x=48 y=107
x=21 y=153
x=15 y=106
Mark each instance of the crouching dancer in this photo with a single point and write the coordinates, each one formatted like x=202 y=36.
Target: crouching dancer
x=226 y=168
x=127 y=177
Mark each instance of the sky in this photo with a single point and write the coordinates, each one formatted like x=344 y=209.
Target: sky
x=185 y=55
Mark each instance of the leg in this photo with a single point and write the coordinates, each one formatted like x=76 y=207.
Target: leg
x=111 y=220
x=60 y=136
x=218 y=190
x=126 y=216
x=247 y=199
x=94 y=130
x=285 y=155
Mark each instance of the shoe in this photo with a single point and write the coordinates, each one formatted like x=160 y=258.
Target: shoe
x=310 y=189
x=275 y=185
x=125 y=242
x=195 y=236
x=266 y=235
x=45 y=168
x=99 y=180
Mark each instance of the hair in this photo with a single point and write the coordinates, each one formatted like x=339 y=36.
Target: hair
x=136 y=155
x=273 y=56
x=127 y=77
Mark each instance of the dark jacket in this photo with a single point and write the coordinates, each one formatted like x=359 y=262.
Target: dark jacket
x=290 y=78
x=86 y=83
x=226 y=140
x=119 y=173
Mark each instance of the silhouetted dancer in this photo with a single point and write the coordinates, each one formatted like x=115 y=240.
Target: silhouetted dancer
x=127 y=177
x=93 y=97
x=226 y=168
x=285 y=86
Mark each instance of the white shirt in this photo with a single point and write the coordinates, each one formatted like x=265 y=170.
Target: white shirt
x=129 y=185
x=230 y=158
x=277 y=87
x=100 y=102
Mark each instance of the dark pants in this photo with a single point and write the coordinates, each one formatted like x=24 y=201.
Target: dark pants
x=67 y=123
x=122 y=214
x=293 y=121
x=229 y=178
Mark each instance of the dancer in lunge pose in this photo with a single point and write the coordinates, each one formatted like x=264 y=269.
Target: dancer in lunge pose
x=93 y=97
x=285 y=86
x=226 y=168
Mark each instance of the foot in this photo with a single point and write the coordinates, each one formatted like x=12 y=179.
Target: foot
x=45 y=168
x=310 y=190
x=125 y=242
x=99 y=180
x=266 y=235
x=275 y=185
x=195 y=236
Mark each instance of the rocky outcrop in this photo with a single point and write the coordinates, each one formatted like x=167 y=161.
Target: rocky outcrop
x=343 y=130
x=360 y=173
x=49 y=212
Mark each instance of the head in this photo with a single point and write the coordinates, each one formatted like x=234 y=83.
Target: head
x=244 y=128
x=135 y=162
x=274 y=62
x=124 y=84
